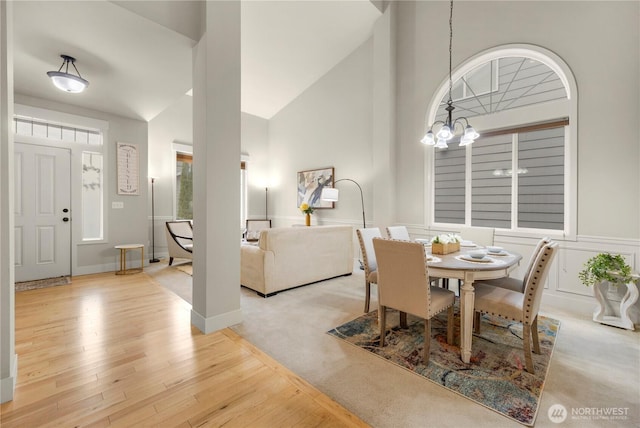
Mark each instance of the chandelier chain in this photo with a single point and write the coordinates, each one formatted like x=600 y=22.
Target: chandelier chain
x=447 y=125
x=450 y=47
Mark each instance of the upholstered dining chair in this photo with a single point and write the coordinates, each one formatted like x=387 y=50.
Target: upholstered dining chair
x=403 y=284
x=253 y=229
x=401 y=233
x=398 y=232
x=180 y=239
x=365 y=237
x=521 y=307
x=483 y=236
x=515 y=284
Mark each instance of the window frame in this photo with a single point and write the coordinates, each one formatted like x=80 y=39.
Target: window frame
x=187 y=149
x=539 y=113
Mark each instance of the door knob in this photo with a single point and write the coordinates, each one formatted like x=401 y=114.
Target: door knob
x=65 y=218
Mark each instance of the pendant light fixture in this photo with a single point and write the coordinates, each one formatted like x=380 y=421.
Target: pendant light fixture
x=448 y=127
x=65 y=81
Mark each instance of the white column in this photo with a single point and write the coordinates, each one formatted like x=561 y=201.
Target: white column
x=8 y=357
x=216 y=168
x=384 y=118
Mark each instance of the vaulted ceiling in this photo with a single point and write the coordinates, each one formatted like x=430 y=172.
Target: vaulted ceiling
x=137 y=55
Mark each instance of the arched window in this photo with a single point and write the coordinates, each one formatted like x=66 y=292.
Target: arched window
x=520 y=175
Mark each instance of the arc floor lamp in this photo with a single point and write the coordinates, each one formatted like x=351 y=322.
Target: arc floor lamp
x=332 y=194
x=153 y=225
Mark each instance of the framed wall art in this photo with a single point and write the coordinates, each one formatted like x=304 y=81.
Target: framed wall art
x=310 y=184
x=128 y=160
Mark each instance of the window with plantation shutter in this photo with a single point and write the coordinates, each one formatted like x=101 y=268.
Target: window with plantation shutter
x=520 y=175
x=541 y=188
x=450 y=185
x=490 y=183
x=517 y=180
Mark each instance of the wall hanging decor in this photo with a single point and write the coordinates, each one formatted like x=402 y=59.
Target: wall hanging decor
x=310 y=185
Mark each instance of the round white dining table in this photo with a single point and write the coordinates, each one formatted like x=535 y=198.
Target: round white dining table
x=458 y=266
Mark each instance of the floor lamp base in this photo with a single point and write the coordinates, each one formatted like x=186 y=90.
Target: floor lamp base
x=154 y=260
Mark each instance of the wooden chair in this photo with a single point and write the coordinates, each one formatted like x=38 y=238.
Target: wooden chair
x=253 y=229
x=521 y=307
x=180 y=239
x=398 y=232
x=365 y=237
x=403 y=284
x=515 y=284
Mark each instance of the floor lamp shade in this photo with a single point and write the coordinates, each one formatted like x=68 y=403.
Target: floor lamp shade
x=330 y=194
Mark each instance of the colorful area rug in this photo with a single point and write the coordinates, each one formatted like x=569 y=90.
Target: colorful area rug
x=495 y=378
x=42 y=283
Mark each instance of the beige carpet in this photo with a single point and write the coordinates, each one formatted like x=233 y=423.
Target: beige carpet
x=593 y=365
x=186 y=268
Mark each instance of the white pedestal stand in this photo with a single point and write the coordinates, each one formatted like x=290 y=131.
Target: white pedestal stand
x=611 y=312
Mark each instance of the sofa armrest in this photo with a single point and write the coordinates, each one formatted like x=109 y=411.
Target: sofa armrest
x=256 y=265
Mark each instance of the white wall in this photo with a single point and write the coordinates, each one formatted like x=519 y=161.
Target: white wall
x=329 y=125
x=123 y=226
x=255 y=148
x=601 y=44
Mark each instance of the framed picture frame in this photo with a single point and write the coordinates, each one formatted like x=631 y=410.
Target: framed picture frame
x=310 y=184
x=128 y=163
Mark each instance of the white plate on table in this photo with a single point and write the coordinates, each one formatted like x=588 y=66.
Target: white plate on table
x=467 y=244
x=423 y=241
x=499 y=253
x=474 y=259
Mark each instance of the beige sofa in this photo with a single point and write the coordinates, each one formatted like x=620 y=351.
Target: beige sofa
x=288 y=257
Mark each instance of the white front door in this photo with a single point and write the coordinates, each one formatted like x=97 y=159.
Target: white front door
x=42 y=195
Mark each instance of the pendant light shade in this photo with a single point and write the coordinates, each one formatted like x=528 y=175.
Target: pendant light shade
x=66 y=81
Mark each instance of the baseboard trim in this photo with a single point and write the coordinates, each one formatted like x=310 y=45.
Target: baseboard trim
x=217 y=322
x=8 y=384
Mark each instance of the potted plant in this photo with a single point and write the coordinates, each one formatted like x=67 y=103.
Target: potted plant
x=606 y=267
x=445 y=243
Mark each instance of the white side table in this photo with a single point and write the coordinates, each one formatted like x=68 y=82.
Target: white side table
x=123 y=258
x=611 y=312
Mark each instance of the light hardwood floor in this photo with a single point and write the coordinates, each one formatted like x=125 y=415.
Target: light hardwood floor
x=112 y=350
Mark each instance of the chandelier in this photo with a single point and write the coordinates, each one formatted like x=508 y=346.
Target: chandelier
x=448 y=127
x=66 y=81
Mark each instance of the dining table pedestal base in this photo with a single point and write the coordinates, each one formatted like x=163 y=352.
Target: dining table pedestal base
x=467 y=298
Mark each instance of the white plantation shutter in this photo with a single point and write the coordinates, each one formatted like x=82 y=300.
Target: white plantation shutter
x=541 y=189
x=529 y=159
x=450 y=185
x=491 y=182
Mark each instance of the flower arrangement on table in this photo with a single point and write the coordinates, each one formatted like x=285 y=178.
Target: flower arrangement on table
x=445 y=243
x=305 y=208
x=308 y=210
